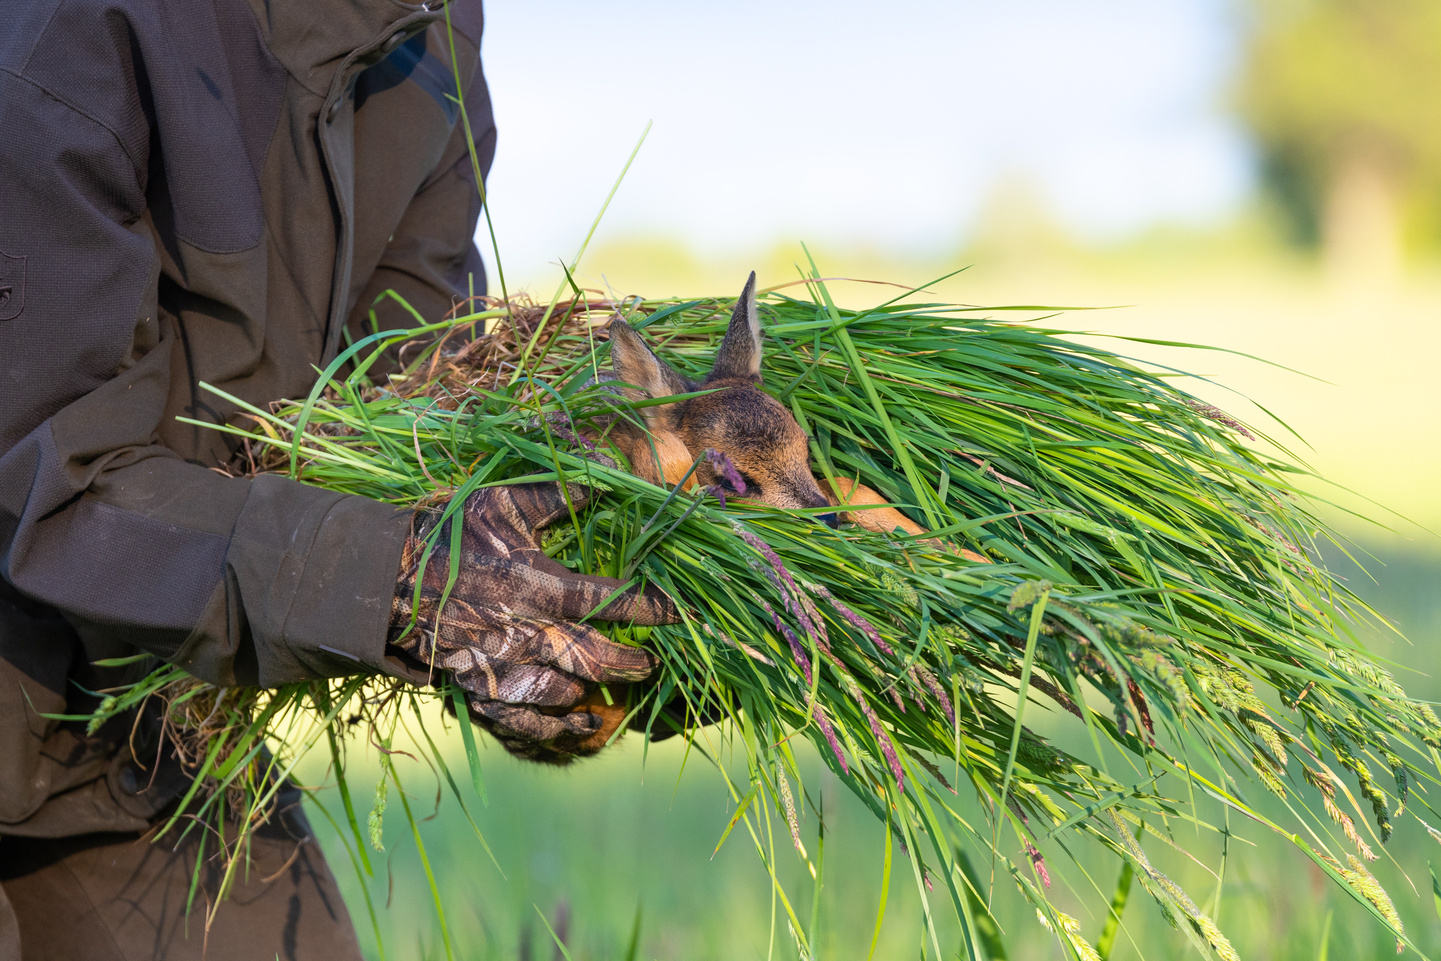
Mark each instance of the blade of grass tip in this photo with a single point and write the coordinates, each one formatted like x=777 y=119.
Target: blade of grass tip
x=741 y=809
x=820 y=873
x=579 y=296
x=559 y=944
x=1038 y=610
x=1435 y=888
x=120 y=661
x=991 y=946
x=632 y=951
x=1325 y=949
x=885 y=893
x=467 y=736
x=575 y=261
x=345 y=800
x=843 y=337
x=475 y=159
x=425 y=862
x=1221 y=872
x=1107 y=942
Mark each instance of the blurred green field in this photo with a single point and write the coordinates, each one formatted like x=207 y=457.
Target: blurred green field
x=629 y=835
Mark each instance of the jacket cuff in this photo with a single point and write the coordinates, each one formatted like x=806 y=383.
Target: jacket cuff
x=341 y=611
x=327 y=565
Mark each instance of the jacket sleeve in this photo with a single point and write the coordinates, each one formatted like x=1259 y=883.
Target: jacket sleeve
x=431 y=258
x=241 y=582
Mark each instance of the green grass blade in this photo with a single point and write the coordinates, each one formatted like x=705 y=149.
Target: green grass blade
x=885 y=894
x=467 y=736
x=632 y=950
x=559 y=944
x=425 y=863
x=1107 y=941
x=1038 y=611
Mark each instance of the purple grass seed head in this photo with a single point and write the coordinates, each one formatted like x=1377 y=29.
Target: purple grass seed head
x=884 y=739
x=824 y=723
x=856 y=621
x=722 y=465
x=795 y=599
x=797 y=650
x=1038 y=861
x=934 y=686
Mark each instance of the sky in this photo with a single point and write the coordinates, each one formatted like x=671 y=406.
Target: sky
x=879 y=126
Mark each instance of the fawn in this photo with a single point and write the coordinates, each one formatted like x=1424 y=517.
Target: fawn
x=760 y=437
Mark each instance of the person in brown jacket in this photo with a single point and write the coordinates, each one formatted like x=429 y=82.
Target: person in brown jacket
x=219 y=191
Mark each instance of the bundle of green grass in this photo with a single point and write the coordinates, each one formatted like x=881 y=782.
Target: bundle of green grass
x=1153 y=580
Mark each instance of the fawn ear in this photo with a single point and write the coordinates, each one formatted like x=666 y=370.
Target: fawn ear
x=645 y=375
x=740 y=352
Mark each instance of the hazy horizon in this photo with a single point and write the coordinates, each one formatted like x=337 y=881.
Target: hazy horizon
x=887 y=128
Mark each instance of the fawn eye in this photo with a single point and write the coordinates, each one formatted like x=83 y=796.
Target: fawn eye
x=748 y=484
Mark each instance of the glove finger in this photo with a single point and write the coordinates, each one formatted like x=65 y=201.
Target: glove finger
x=539 y=504
x=586 y=653
x=498 y=680
x=517 y=722
x=648 y=605
x=554 y=593
x=538 y=662
x=499 y=520
x=461 y=626
x=582 y=723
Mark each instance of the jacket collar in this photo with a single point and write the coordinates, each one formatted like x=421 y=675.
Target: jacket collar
x=314 y=38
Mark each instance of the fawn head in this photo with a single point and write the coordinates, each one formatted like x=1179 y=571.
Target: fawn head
x=769 y=449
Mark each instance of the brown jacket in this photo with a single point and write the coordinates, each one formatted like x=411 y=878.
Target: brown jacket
x=203 y=191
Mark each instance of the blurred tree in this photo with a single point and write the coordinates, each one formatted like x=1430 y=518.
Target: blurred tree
x=1344 y=98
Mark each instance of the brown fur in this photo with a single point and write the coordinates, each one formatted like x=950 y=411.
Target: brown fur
x=611 y=715
x=884 y=519
x=752 y=428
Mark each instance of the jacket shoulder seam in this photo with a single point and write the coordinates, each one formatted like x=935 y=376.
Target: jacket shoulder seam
x=77 y=110
x=29 y=54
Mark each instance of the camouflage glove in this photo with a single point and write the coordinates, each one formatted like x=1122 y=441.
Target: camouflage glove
x=507 y=633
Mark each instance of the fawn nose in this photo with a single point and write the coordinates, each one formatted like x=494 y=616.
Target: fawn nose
x=830 y=520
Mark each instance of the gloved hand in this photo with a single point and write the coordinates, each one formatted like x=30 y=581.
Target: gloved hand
x=507 y=632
